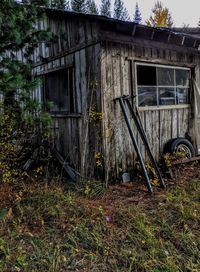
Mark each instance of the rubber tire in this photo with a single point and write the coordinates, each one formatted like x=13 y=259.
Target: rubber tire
x=173 y=144
x=167 y=146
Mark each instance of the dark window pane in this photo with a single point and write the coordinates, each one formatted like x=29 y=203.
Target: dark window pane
x=146 y=75
x=166 y=96
x=59 y=89
x=51 y=82
x=147 y=96
x=182 y=96
x=182 y=77
x=64 y=95
x=165 y=77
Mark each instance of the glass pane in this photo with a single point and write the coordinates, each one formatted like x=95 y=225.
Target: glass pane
x=166 y=96
x=165 y=76
x=182 y=77
x=147 y=96
x=51 y=83
x=146 y=75
x=59 y=89
x=182 y=96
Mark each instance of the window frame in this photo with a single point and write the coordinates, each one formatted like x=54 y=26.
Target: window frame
x=59 y=112
x=173 y=67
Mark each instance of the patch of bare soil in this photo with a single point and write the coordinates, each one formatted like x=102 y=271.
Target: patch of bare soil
x=136 y=193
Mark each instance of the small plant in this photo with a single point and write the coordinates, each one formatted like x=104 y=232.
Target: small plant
x=151 y=172
x=170 y=158
x=95 y=116
x=94 y=189
x=98 y=159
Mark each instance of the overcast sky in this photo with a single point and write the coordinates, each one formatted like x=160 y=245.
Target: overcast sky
x=182 y=11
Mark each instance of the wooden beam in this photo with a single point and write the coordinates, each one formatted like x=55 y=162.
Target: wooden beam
x=183 y=40
x=126 y=39
x=65 y=165
x=134 y=30
x=169 y=36
x=71 y=50
x=152 y=34
x=186 y=160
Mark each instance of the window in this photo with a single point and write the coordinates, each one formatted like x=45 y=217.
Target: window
x=159 y=85
x=59 y=89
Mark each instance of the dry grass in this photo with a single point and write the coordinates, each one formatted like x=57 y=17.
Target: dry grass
x=55 y=228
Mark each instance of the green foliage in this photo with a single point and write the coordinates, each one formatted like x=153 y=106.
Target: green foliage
x=8 y=150
x=93 y=189
x=59 y=4
x=92 y=7
x=21 y=115
x=19 y=31
x=79 y=6
x=160 y=17
x=54 y=229
x=137 y=15
x=105 y=8
x=120 y=12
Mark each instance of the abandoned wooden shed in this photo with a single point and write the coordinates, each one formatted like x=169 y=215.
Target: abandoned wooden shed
x=95 y=60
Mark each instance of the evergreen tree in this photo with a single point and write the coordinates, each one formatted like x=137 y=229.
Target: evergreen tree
x=120 y=12
x=67 y=6
x=79 y=6
x=20 y=114
x=18 y=26
x=58 y=4
x=105 y=8
x=91 y=7
x=160 y=17
x=137 y=18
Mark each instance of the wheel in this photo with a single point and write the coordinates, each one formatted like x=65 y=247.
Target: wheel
x=167 y=146
x=181 y=146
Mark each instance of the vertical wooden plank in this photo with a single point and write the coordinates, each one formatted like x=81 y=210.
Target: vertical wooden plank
x=141 y=145
x=148 y=126
x=77 y=82
x=174 y=123
x=165 y=127
x=125 y=135
x=155 y=134
x=183 y=121
x=105 y=113
x=118 y=124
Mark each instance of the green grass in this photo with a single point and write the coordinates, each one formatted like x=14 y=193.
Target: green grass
x=53 y=228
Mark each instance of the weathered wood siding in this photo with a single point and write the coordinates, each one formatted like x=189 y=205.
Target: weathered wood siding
x=77 y=135
x=70 y=34
x=117 y=71
x=102 y=52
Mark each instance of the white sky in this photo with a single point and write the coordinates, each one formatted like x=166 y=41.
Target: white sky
x=182 y=11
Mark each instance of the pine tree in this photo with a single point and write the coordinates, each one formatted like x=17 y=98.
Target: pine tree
x=137 y=18
x=105 y=8
x=79 y=6
x=20 y=114
x=120 y=12
x=91 y=7
x=160 y=17
x=58 y=4
x=18 y=26
x=68 y=6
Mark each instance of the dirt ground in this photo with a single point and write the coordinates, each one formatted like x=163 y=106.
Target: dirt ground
x=136 y=193
x=125 y=194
